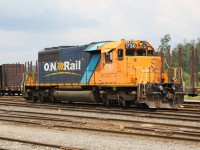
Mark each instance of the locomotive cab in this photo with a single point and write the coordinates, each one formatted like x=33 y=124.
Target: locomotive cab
x=130 y=73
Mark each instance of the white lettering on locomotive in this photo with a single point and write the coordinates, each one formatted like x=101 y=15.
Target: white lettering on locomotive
x=108 y=67
x=145 y=70
x=157 y=70
x=66 y=65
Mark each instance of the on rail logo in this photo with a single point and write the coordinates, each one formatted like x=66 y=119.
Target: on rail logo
x=62 y=66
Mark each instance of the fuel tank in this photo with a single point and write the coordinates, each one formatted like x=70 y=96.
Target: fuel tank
x=75 y=96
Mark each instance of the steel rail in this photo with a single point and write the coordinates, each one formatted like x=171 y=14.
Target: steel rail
x=34 y=115
x=74 y=105
x=38 y=143
x=97 y=106
x=131 y=131
x=53 y=106
x=161 y=115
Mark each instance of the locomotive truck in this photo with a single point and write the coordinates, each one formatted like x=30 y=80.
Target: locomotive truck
x=110 y=72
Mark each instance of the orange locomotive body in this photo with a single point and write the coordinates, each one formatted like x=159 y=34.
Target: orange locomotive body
x=123 y=73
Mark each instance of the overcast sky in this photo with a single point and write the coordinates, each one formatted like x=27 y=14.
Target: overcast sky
x=28 y=26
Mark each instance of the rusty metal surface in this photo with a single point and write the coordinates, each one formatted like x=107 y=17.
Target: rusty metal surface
x=193 y=90
x=196 y=64
x=12 y=76
x=179 y=64
x=192 y=68
x=1 y=77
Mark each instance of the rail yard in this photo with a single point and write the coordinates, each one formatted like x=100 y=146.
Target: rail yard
x=102 y=95
x=99 y=75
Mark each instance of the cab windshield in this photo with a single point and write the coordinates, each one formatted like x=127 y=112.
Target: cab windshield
x=130 y=52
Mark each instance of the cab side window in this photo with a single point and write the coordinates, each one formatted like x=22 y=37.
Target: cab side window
x=141 y=53
x=150 y=53
x=108 y=56
x=120 y=54
x=130 y=52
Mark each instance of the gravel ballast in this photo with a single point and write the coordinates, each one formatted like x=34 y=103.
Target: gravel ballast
x=85 y=140
x=103 y=115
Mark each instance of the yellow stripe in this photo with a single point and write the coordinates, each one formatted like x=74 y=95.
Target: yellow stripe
x=58 y=73
x=107 y=85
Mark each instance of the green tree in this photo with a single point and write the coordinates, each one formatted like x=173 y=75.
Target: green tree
x=197 y=46
x=186 y=78
x=186 y=56
x=165 y=43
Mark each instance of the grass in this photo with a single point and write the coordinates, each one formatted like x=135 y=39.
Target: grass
x=192 y=98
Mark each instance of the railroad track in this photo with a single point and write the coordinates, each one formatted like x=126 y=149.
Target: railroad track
x=103 y=125
x=18 y=99
x=188 y=105
x=192 y=104
x=192 y=101
x=181 y=115
x=39 y=144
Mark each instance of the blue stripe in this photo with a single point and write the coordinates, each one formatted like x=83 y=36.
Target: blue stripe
x=90 y=68
x=94 y=47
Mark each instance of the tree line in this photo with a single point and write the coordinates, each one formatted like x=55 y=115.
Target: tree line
x=186 y=56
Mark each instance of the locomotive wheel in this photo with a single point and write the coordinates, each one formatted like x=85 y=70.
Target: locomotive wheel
x=124 y=104
x=120 y=102
x=41 y=98
x=175 y=104
x=29 y=97
x=51 y=98
x=32 y=98
x=107 y=102
x=35 y=99
x=104 y=100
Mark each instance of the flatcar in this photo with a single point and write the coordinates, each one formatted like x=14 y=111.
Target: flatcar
x=11 y=76
x=110 y=72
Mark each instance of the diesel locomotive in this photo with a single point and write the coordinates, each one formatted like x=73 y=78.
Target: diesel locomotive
x=110 y=72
